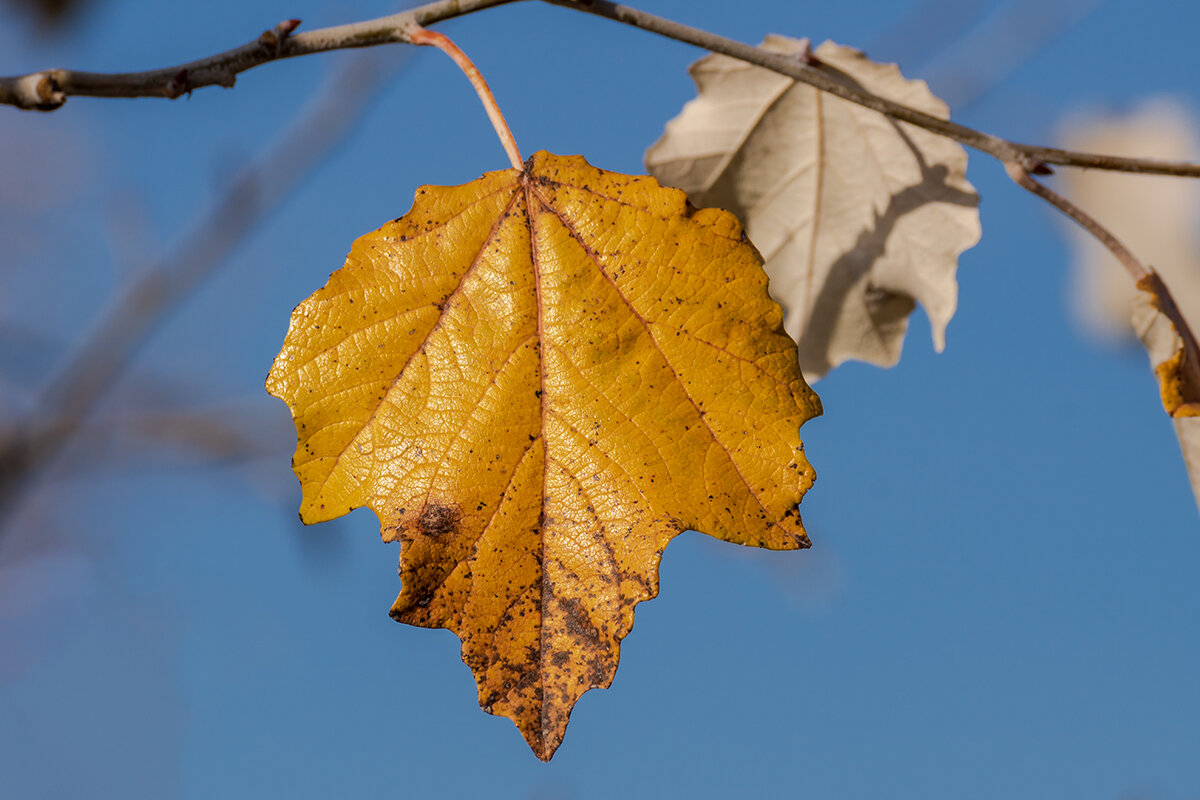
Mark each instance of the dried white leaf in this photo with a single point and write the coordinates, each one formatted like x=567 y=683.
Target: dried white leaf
x=857 y=216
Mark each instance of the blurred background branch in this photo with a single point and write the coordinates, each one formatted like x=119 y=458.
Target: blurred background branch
x=30 y=444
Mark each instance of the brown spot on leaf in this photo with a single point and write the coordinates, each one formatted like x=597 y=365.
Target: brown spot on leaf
x=439 y=521
x=580 y=626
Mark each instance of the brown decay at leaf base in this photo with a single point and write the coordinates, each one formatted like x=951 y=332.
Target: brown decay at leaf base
x=1179 y=375
x=592 y=646
x=534 y=505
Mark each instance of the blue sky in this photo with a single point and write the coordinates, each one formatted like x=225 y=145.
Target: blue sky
x=1000 y=600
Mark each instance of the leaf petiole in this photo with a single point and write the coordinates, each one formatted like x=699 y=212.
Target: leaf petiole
x=419 y=35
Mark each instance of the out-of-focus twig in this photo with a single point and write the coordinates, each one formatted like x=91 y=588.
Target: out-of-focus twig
x=998 y=47
x=152 y=415
x=224 y=434
x=28 y=447
x=51 y=14
x=926 y=27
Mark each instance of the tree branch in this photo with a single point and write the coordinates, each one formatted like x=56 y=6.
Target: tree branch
x=1032 y=157
x=49 y=89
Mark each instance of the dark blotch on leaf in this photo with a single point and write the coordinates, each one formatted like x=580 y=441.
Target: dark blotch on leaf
x=580 y=626
x=439 y=520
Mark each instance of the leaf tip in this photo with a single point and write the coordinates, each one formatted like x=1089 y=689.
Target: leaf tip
x=939 y=338
x=546 y=751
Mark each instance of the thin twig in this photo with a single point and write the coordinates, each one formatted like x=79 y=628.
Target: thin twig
x=1030 y=156
x=1136 y=269
x=27 y=450
x=47 y=90
x=1179 y=377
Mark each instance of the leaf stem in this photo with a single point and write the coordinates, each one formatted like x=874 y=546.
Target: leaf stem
x=1020 y=175
x=418 y=35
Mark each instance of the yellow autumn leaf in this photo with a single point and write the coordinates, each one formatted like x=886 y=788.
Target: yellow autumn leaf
x=536 y=380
